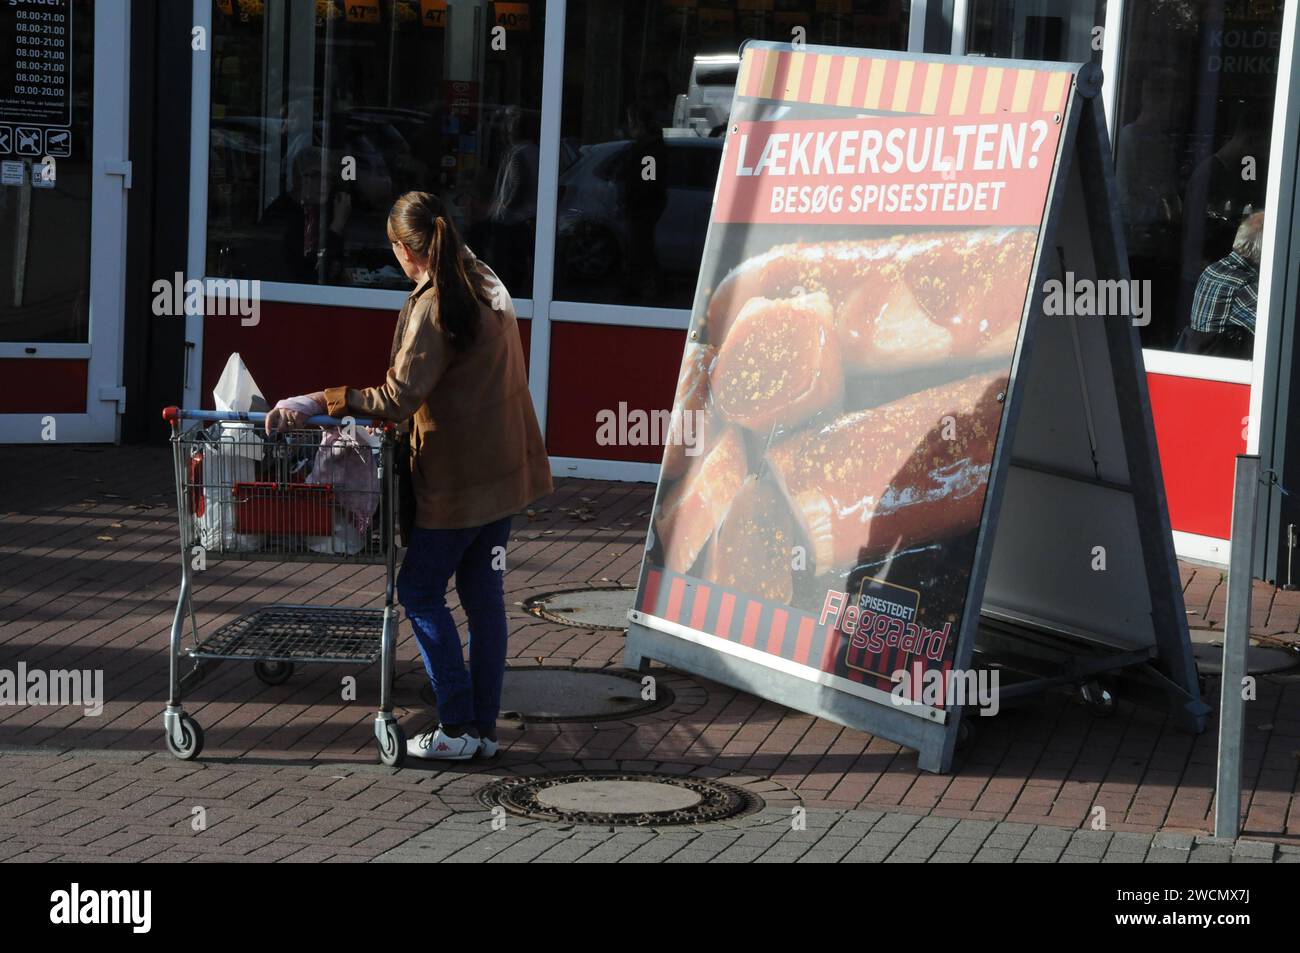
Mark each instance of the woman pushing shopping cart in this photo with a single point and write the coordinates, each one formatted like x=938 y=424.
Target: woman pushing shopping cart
x=470 y=454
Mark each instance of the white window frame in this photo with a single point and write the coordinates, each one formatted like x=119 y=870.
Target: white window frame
x=542 y=309
x=1279 y=198
x=197 y=252
x=103 y=349
x=548 y=310
x=272 y=292
x=1286 y=128
x=1157 y=360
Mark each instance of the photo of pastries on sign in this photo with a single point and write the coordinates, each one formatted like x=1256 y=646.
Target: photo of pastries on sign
x=844 y=397
x=896 y=303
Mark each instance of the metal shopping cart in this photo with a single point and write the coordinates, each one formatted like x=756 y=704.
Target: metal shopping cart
x=306 y=495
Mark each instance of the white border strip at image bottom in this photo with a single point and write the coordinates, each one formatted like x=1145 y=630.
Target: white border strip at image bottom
x=806 y=672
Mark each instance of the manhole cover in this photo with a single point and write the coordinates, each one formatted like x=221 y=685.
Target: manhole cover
x=1207 y=647
x=584 y=608
x=641 y=800
x=617 y=797
x=552 y=693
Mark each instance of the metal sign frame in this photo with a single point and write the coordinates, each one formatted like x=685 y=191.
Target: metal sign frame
x=1158 y=659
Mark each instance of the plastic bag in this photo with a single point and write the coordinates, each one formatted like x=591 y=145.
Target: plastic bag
x=347 y=460
x=236 y=390
x=232 y=456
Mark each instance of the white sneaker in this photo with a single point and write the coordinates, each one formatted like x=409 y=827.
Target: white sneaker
x=437 y=745
x=487 y=748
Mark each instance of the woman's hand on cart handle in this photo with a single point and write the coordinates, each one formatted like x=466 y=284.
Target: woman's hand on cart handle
x=282 y=418
x=292 y=413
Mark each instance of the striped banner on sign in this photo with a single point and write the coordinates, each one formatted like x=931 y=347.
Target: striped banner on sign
x=781 y=631
x=729 y=614
x=900 y=86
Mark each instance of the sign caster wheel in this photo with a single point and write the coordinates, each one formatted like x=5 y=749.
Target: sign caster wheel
x=966 y=731
x=273 y=673
x=392 y=746
x=1098 y=699
x=191 y=743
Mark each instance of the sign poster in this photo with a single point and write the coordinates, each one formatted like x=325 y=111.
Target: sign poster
x=35 y=62
x=35 y=79
x=868 y=262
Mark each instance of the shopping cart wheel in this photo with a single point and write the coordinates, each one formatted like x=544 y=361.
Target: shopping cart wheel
x=392 y=746
x=191 y=740
x=273 y=673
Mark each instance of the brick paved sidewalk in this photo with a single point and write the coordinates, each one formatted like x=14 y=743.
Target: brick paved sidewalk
x=92 y=806
x=87 y=579
x=147 y=807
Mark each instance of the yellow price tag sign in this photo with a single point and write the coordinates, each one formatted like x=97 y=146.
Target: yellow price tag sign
x=513 y=16
x=433 y=13
x=362 y=11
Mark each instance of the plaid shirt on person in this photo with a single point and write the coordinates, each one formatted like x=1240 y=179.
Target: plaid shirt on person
x=1226 y=293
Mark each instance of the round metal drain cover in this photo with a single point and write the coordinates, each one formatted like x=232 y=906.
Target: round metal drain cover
x=617 y=797
x=550 y=693
x=636 y=799
x=584 y=608
x=1207 y=647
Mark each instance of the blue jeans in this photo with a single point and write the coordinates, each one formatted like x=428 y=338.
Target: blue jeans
x=477 y=558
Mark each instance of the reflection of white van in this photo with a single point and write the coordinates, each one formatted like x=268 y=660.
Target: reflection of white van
x=706 y=103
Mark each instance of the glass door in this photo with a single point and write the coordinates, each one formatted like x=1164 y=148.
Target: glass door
x=63 y=176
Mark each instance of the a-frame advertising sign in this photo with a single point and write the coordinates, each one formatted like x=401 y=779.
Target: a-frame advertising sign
x=914 y=472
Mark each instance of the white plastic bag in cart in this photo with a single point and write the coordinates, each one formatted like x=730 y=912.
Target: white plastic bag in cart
x=236 y=390
x=228 y=459
x=347 y=460
x=231 y=457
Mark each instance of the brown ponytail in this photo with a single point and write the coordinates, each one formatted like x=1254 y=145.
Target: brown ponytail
x=420 y=222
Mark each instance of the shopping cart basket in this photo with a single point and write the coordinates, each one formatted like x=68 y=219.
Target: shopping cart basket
x=243 y=495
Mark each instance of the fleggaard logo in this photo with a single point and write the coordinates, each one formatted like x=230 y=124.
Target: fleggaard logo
x=90 y=907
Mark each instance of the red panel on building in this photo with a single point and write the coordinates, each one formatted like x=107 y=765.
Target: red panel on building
x=594 y=367
x=1200 y=428
x=43 y=386
x=302 y=348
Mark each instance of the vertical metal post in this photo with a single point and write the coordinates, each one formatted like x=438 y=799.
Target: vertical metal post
x=1112 y=50
x=548 y=189
x=916 y=26
x=959 y=8
x=326 y=154
x=1236 y=638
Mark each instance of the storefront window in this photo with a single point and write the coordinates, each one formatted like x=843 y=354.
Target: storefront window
x=1196 y=95
x=46 y=107
x=322 y=114
x=1056 y=30
x=648 y=86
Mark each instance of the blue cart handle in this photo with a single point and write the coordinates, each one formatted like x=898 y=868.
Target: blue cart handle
x=175 y=415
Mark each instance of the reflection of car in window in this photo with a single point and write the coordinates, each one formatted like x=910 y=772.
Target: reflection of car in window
x=706 y=104
x=593 y=228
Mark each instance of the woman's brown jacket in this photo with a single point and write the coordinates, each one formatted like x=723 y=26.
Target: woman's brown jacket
x=477 y=451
